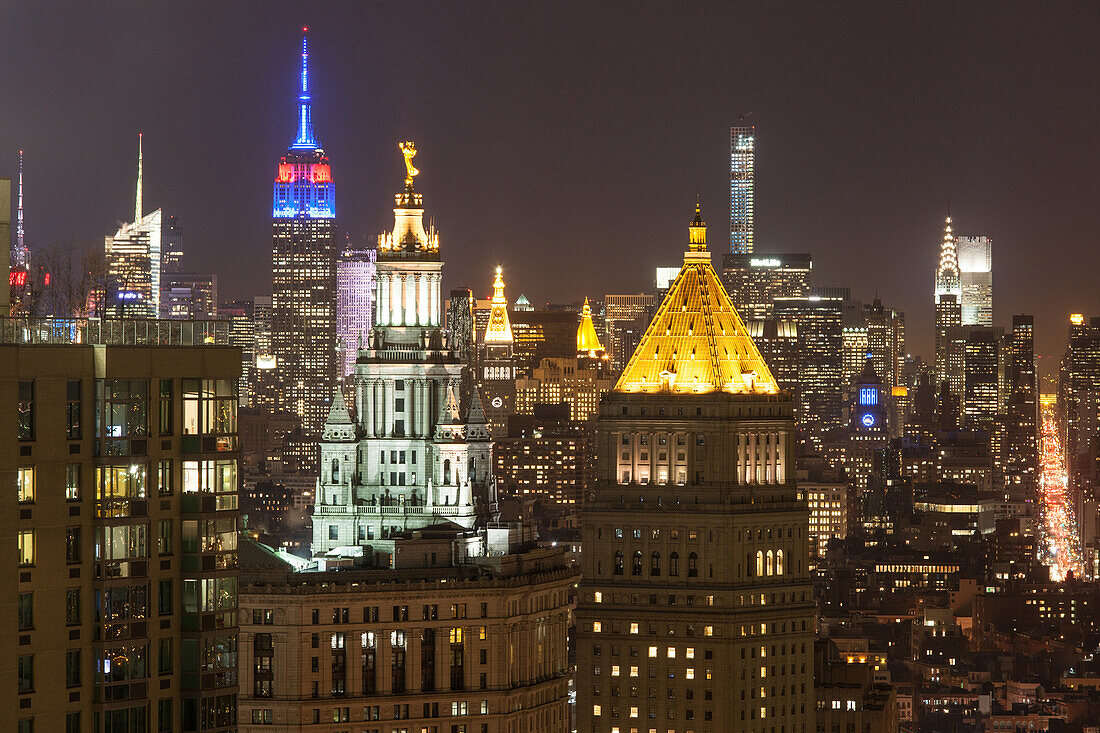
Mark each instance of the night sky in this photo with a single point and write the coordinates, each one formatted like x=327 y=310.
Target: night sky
x=567 y=141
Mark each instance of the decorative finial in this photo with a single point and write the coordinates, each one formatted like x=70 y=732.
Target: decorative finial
x=137 y=200
x=408 y=149
x=697 y=230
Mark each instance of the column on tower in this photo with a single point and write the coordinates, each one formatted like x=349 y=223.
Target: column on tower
x=781 y=474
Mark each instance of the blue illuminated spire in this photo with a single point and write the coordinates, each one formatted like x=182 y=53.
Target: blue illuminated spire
x=305 y=139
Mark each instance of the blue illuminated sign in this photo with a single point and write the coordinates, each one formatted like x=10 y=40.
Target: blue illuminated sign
x=868 y=420
x=868 y=396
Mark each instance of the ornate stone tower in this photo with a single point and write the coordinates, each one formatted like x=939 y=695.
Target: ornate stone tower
x=695 y=607
x=407 y=459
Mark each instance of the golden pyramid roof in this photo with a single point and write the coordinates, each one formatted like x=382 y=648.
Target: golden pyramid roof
x=499 y=329
x=697 y=342
x=587 y=340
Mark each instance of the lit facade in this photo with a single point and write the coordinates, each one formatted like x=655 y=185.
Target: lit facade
x=948 y=301
x=480 y=645
x=579 y=382
x=976 y=280
x=123 y=595
x=742 y=189
x=755 y=281
x=982 y=366
x=133 y=263
x=695 y=606
x=552 y=460
x=303 y=273
x=354 y=303
x=828 y=503
x=408 y=458
x=819 y=377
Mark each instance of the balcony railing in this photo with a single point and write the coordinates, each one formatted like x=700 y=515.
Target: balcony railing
x=113 y=332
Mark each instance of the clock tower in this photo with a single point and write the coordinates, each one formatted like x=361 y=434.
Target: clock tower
x=497 y=368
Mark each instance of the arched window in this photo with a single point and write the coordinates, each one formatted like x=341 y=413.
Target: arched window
x=447 y=471
x=674 y=564
x=770 y=562
x=759 y=564
x=335 y=470
x=618 y=562
x=655 y=564
x=693 y=565
x=779 y=562
x=636 y=565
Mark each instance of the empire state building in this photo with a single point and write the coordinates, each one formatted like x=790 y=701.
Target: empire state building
x=303 y=272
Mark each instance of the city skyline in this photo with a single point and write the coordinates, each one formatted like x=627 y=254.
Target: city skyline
x=851 y=226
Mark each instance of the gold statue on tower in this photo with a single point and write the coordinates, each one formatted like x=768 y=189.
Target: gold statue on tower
x=408 y=149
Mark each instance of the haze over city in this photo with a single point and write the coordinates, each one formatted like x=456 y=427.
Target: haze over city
x=581 y=133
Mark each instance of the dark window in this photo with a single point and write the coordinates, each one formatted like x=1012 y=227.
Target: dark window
x=636 y=565
x=164 y=657
x=72 y=668
x=618 y=562
x=26 y=673
x=26 y=611
x=165 y=407
x=164 y=715
x=72 y=410
x=164 y=597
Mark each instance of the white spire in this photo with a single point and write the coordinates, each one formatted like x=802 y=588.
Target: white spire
x=137 y=201
x=19 y=212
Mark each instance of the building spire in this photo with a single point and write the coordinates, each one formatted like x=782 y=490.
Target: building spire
x=19 y=210
x=697 y=231
x=947 y=274
x=304 y=138
x=137 y=199
x=499 y=329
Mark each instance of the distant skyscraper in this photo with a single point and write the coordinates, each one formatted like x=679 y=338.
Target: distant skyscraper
x=755 y=281
x=189 y=296
x=354 y=303
x=1021 y=424
x=976 y=280
x=171 y=247
x=948 y=295
x=133 y=263
x=1079 y=399
x=820 y=385
x=742 y=188
x=20 y=256
x=620 y=316
x=303 y=297
x=981 y=379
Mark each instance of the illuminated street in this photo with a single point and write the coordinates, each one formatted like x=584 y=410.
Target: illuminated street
x=1060 y=549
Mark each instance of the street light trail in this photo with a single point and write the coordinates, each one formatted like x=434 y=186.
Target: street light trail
x=1060 y=549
